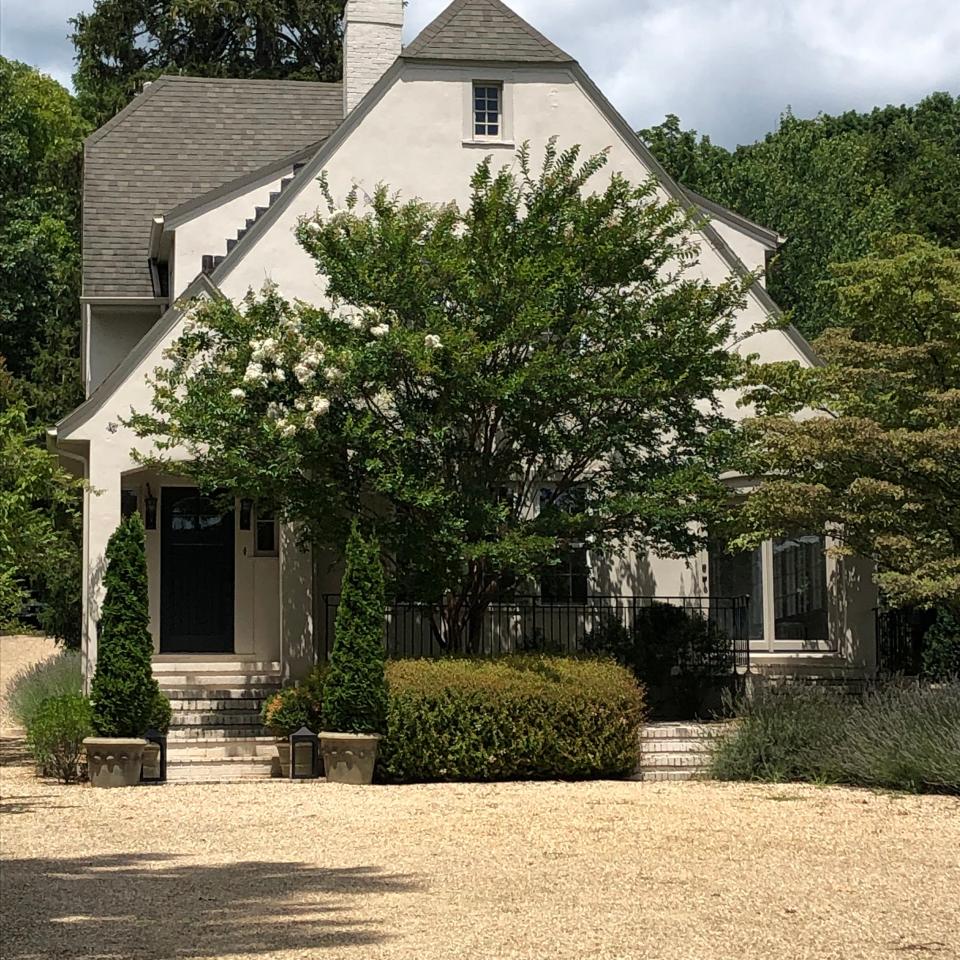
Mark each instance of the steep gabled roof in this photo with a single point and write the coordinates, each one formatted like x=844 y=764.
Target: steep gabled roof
x=483 y=30
x=179 y=139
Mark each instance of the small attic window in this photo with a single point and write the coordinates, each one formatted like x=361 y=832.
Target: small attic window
x=487 y=110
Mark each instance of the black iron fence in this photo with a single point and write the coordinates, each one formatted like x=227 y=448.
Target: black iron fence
x=900 y=636
x=532 y=624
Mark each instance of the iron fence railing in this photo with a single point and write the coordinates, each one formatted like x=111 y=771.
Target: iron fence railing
x=530 y=623
x=900 y=636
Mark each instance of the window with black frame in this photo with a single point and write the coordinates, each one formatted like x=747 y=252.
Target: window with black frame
x=567 y=580
x=265 y=534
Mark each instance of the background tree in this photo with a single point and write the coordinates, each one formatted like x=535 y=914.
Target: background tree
x=39 y=531
x=123 y=43
x=831 y=185
x=880 y=464
x=543 y=346
x=41 y=138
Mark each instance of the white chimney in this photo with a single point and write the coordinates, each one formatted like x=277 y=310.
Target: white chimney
x=371 y=42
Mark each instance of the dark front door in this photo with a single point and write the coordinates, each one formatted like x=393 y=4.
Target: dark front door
x=196 y=573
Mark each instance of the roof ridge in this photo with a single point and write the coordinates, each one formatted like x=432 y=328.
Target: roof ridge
x=192 y=78
x=419 y=46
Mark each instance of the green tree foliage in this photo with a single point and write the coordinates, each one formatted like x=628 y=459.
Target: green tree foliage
x=40 y=531
x=545 y=338
x=355 y=688
x=879 y=463
x=41 y=136
x=830 y=185
x=123 y=43
x=124 y=693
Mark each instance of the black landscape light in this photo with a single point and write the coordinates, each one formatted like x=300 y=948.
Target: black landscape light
x=304 y=755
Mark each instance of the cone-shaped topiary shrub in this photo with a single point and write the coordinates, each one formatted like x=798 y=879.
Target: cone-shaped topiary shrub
x=124 y=694
x=355 y=690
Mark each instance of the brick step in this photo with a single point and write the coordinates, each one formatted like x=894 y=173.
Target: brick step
x=215 y=681
x=217 y=704
x=226 y=746
x=219 y=769
x=215 y=733
x=215 y=718
x=677 y=745
x=239 y=694
x=683 y=731
x=659 y=776
x=668 y=761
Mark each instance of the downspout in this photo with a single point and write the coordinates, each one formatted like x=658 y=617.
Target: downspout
x=84 y=461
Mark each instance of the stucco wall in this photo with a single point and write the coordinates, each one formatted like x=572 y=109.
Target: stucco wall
x=413 y=139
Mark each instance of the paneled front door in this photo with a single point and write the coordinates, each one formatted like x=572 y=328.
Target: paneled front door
x=196 y=573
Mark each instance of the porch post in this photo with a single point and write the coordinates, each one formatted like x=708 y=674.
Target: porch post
x=102 y=518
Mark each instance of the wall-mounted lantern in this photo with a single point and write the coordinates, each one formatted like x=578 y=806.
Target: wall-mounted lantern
x=150 y=510
x=304 y=755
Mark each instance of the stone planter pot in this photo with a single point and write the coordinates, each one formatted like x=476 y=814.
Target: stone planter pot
x=151 y=761
x=283 y=752
x=349 y=757
x=114 y=761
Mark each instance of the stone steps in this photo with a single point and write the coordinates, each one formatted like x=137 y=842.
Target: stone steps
x=676 y=751
x=215 y=731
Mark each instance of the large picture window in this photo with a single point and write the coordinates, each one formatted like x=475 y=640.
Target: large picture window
x=786 y=580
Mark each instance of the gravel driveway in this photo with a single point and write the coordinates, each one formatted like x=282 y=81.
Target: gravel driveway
x=551 y=870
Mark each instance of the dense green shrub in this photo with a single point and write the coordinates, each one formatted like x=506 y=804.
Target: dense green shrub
x=124 y=694
x=355 y=691
x=901 y=737
x=56 y=676
x=680 y=656
x=291 y=708
x=941 y=647
x=56 y=733
x=523 y=717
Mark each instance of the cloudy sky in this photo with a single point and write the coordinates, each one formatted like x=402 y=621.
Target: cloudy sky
x=726 y=67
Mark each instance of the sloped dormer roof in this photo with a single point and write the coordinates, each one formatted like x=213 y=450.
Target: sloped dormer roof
x=179 y=139
x=483 y=30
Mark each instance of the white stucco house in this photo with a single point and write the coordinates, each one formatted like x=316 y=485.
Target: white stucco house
x=194 y=190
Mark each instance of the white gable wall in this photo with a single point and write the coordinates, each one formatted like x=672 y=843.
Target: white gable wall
x=413 y=140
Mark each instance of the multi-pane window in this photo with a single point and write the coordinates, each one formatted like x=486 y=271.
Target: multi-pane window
x=567 y=580
x=265 y=534
x=487 y=110
x=786 y=580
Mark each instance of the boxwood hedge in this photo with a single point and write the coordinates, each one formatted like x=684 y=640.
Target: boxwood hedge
x=522 y=717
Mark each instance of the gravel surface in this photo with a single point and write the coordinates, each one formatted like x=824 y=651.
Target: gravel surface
x=550 y=870
x=17 y=652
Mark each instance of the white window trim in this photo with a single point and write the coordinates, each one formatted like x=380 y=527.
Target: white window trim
x=275 y=552
x=506 y=138
x=770 y=642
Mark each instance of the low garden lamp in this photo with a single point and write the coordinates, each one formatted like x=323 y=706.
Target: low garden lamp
x=304 y=755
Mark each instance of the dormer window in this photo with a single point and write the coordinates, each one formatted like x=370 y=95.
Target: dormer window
x=487 y=110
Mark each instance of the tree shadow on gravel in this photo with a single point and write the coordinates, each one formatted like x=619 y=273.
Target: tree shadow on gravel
x=153 y=906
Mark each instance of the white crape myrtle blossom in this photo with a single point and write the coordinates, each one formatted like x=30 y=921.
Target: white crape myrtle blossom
x=273 y=410
x=333 y=374
x=320 y=406
x=303 y=373
x=238 y=393
x=380 y=330
x=286 y=428
x=279 y=375
x=432 y=341
x=253 y=373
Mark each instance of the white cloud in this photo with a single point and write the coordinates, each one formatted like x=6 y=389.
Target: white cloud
x=726 y=67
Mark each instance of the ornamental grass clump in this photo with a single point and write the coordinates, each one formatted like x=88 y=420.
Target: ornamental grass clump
x=126 y=698
x=355 y=688
x=900 y=737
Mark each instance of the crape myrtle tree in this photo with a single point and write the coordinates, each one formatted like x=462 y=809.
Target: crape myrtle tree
x=545 y=337
x=879 y=464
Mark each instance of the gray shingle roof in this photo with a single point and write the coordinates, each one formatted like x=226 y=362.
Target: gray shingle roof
x=181 y=138
x=483 y=30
